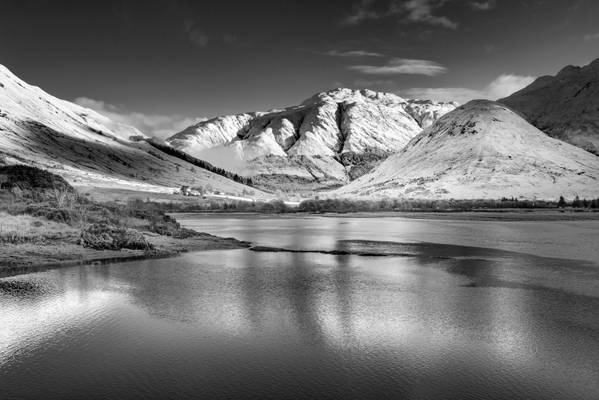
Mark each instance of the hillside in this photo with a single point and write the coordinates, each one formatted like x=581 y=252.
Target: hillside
x=565 y=106
x=329 y=139
x=86 y=148
x=482 y=150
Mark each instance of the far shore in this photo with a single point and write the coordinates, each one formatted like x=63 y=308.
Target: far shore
x=478 y=215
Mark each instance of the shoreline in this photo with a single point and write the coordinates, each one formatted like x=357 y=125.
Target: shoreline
x=24 y=258
x=499 y=215
x=19 y=259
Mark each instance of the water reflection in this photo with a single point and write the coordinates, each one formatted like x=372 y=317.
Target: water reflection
x=254 y=294
x=447 y=321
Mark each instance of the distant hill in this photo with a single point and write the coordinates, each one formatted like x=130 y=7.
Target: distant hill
x=565 y=106
x=481 y=150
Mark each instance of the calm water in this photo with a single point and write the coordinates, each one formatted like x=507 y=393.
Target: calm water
x=477 y=310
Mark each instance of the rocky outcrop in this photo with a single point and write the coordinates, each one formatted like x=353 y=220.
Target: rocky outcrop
x=426 y=112
x=565 y=106
x=331 y=138
x=211 y=132
x=482 y=150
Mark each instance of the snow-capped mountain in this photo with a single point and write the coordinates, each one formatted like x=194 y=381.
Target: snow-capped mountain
x=85 y=147
x=329 y=139
x=565 y=106
x=482 y=150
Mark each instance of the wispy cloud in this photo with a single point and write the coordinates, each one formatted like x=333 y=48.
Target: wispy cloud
x=506 y=84
x=161 y=126
x=422 y=11
x=195 y=34
x=461 y=95
x=591 y=36
x=414 y=11
x=483 y=5
x=361 y=11
x=352 y=53
x=502 y=86
x=397 y=66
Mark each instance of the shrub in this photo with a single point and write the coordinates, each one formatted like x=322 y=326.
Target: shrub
x=28 y=178
x=103 y=236
x=50 y=213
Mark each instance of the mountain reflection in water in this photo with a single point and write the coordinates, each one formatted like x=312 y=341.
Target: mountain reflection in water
x=446 y=321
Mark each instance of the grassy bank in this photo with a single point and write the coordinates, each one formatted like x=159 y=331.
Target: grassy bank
x=44 y=222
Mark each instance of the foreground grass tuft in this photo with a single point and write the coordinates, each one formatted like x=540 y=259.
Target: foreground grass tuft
x=33 y=229
x=39 y=207
x=102 y=236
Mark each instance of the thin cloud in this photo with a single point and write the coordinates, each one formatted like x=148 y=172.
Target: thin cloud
x=397 y=66
x=502 y=86
x=352 y=53
x=360 y=12
x=195 y=34
x=161 y=126
x=460 y=95
x=506 y=84
x=413 y=11
x=483 y=5
x=422 y=11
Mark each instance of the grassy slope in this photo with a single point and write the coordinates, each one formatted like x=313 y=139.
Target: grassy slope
x=40 y=226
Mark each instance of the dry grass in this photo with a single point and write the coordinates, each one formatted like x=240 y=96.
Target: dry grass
x=45 y=224
x=30 y=229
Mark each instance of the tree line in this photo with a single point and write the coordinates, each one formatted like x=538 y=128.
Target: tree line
x=171 y=151
x=349 y=206
x=578 y=203
x=346 y=205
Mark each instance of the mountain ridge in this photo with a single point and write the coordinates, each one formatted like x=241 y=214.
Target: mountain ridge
x=330 y=138
x=482 y=150
x=86 y=147
x=565 y=106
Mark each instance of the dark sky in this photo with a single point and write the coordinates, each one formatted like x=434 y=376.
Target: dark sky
x=175 y=59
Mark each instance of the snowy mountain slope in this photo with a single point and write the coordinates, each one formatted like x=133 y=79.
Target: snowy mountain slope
x=565 y=106
x=329 y=139
x=20 y=101
x=481 y=150
x=86 y=147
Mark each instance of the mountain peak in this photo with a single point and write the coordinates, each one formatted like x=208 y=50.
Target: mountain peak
x=568 y=70
x=477 y=117
x=482 y=105
x=332 y=137
x=340 y=95
x=481 y=150
x=347 y=95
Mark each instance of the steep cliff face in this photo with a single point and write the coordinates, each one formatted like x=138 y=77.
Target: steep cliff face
x=565 y=106
x=85 y=147
x=482 y=150
x=329 y=139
